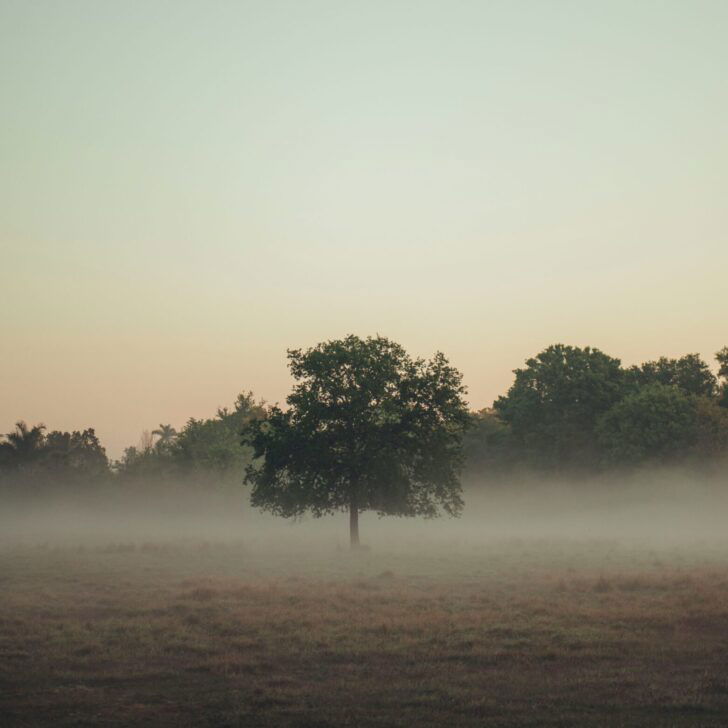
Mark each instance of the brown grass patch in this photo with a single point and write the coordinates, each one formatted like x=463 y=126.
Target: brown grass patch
x=184 y=636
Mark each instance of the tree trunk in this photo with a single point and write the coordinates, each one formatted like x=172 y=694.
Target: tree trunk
x=353 y=525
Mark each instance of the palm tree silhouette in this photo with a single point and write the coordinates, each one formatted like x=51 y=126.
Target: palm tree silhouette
x=23 y=443
x=166 y=435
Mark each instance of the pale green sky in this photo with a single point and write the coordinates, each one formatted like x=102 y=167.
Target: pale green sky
x=186 y=189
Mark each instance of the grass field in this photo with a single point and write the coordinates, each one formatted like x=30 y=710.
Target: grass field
x=507 y=633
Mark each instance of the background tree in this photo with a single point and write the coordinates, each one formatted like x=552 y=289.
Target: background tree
x=711 y=430
x=555 y=402
x=75 y=455
x=206 y=449
x=488 y=445
x=32 y=461
x=367 y=428
x=214 y=444
x=166 y=435
x=23 y=446
x=658 y=421
x=722 y=359
x=689 y=373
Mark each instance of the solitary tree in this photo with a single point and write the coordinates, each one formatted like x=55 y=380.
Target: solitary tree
x=367 y=428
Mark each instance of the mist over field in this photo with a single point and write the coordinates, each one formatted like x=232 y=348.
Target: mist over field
x=286 y=566
x=656 y=506
x=363 y=364
x=568 y=600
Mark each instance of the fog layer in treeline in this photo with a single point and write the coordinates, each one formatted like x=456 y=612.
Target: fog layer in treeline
x=572 y=415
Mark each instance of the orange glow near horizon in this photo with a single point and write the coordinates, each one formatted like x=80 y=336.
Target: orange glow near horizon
x=185 y=195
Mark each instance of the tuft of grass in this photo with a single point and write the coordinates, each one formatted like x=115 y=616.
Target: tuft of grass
x=203 y=594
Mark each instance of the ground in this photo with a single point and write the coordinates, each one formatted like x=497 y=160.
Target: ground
x=507 y=633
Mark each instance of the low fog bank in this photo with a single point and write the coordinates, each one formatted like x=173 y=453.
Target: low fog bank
x=659 y=505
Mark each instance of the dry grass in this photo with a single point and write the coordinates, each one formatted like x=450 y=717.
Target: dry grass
x=517 y=634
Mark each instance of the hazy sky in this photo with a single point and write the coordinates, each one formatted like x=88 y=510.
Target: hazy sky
x=187 y=189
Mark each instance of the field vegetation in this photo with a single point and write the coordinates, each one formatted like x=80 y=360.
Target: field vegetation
x=517 y=632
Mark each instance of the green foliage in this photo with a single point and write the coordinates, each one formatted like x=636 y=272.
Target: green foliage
x=367 y=428
x=488 y=445
x=30 y=452
x=658 y=421
x=555 y=401
x=209 y=446
x=23 y=446
x=76 y=454
x=145 y=462
x=214 y=444
x=166 y=436
x=712 y=428
x=722 y=358
x=689 y=373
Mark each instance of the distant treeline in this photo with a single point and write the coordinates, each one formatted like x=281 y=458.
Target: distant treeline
x=569 y=409
x=580 y=409
x=204 y=450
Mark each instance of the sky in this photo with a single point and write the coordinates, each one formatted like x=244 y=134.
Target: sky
x=187 y=189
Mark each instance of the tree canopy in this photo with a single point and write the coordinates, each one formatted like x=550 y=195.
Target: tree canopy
x=656 y=422
x=554 y=403
x=35 y=456
x=22 y=446
x=204 y=448
x=487 y=444
x=367 y=421
x=722 y=359
x=214 y=444
x=367 y=428
x=689 y=373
